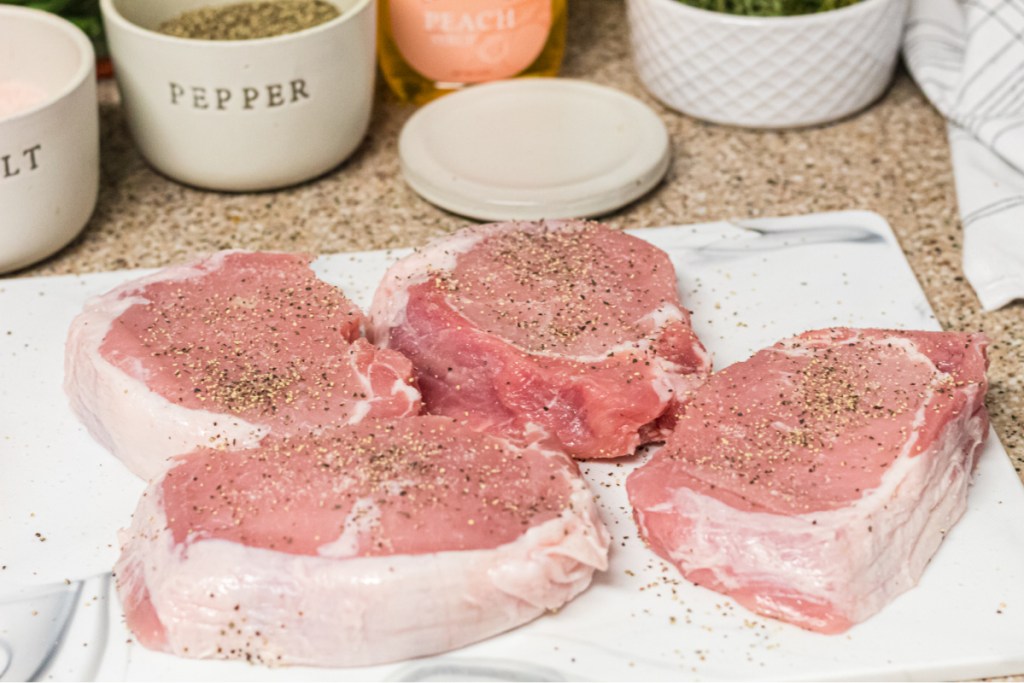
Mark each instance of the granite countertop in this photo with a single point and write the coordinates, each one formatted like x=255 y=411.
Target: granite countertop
x=892 y=159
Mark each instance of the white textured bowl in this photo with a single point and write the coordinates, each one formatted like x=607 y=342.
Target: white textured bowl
x=50 y=152
x=766 y=72
x=243 y=115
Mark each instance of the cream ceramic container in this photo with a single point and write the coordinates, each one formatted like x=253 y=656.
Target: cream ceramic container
x=766 y=72
x=243 y=115
x=49 y=146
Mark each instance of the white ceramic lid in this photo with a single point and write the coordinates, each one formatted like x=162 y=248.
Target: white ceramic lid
x=534 y=148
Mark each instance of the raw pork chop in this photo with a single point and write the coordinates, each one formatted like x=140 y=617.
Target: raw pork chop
x=366 y=544
x=221 y=352
x=564 y=330
x=814 y=481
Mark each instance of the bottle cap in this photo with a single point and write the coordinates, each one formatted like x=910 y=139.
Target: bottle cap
x=534 y=148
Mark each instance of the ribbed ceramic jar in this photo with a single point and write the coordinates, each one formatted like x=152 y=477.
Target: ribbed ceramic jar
x=766 y=72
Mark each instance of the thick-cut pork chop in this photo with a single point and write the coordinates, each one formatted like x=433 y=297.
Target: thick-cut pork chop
x=814 y=481
x=364 y=544
x=221 y=352
x=562 y=330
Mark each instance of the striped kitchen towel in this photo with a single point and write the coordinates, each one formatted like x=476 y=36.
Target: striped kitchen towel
x=968 y=58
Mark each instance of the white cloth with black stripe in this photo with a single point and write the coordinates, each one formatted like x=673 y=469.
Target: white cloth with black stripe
x=968 y=57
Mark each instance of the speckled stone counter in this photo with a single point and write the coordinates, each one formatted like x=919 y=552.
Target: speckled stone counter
x=892 y=158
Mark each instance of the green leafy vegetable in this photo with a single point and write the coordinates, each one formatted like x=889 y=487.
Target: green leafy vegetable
x=85 y=14
x=769 y=8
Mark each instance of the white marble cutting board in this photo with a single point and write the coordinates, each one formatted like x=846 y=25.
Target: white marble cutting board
x=639 y=620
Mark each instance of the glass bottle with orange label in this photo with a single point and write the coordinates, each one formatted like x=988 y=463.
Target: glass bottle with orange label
x=432 y=47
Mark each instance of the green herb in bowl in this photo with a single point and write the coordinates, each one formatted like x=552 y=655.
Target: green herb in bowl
x=769 y=8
